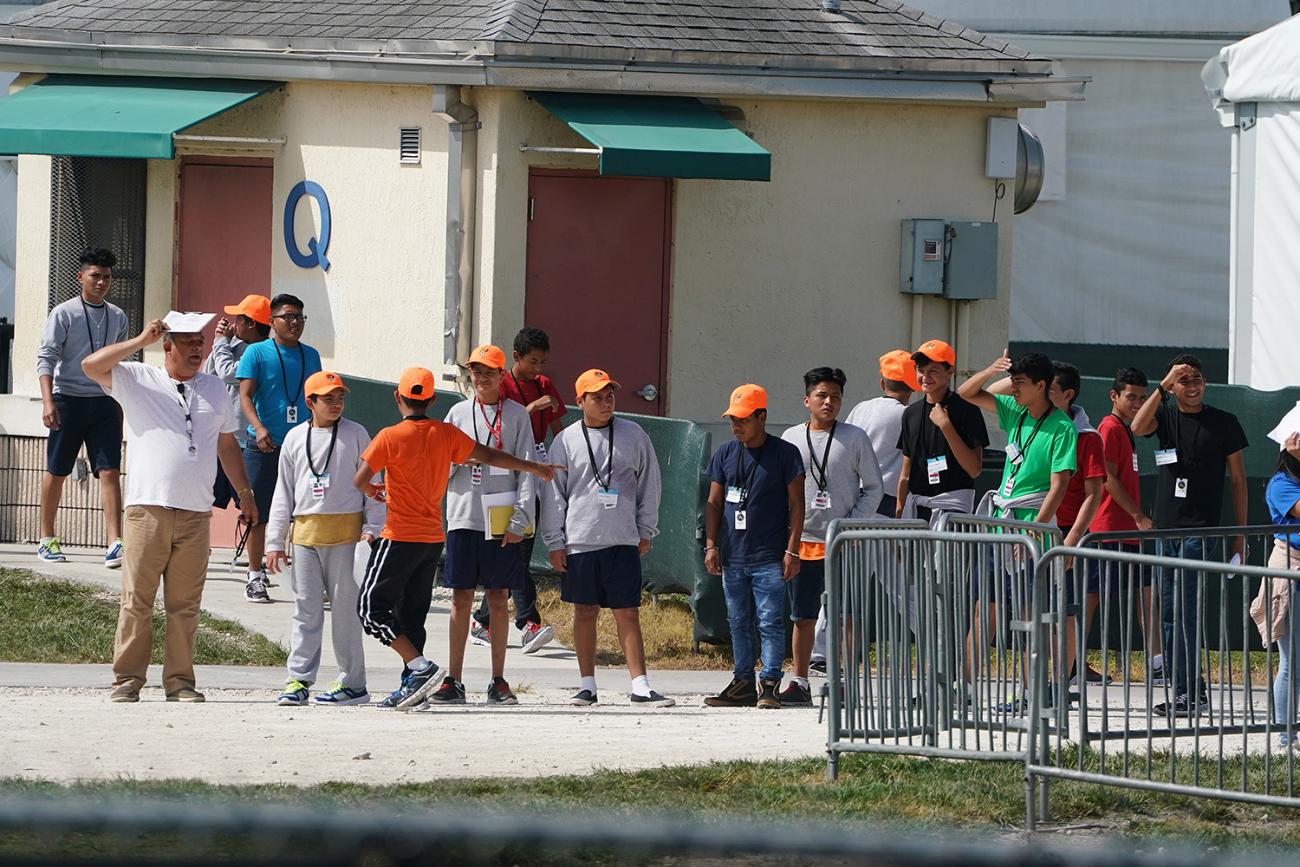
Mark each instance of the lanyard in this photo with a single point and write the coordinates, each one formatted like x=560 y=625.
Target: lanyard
x=1195 y=450
x=284 y=374
x=819 y=470
x=325 y=468
x=1015 y=468
x=90 y=335
x=1132 y=440
x=753 y=471
x=494 y=426
x=187 y=407
x=931 y=437
x=591 y=453
x=519 y=387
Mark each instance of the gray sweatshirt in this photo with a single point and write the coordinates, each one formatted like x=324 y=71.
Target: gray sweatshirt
x=882 y=419
x=852 y=476
x=222 y=363
x=464 y=498
x=574 y=519
x=73 y=331
x=293 y=491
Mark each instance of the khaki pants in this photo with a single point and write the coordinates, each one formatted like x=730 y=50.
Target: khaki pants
x=171 y=545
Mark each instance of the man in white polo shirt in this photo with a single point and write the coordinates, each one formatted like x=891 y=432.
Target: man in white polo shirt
x=178 y=423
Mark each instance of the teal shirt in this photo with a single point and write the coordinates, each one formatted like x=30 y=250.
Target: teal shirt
x=1046 y=448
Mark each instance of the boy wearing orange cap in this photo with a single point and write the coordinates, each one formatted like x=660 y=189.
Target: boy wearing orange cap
x=598 y=520
x=753 y=523
x=477 y=557
x=415 y=456
x=329 y=516
x=250 y=323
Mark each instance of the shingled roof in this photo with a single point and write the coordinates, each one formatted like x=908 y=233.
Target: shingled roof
x=864 y=34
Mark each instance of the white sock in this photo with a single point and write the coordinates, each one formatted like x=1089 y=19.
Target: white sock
x=45 y=539
x=641 y=686
x=589 y=684
x=802 y=681
x=259 y=574
x=1158 y=661
x=419 y=664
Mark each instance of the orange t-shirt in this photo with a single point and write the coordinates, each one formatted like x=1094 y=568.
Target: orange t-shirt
x=415 y=457
x=812 y=550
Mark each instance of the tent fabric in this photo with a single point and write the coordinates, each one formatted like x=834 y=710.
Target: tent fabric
x=1261 y=68
x=660 y=136
x=114 y=116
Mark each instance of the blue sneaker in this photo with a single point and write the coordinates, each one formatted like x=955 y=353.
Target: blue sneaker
x=340 y=695
x=113 y=559
x=49 y=551
x=417 y=685
x=294 y=694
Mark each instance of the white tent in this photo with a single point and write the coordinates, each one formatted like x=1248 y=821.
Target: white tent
x=1255 y=85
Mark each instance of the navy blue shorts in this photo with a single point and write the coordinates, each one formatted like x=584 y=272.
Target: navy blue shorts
x=610 y=578
x=93 y=421
x=805 y=590
x=475 y=561
x=1106 y=572
x=263 y=470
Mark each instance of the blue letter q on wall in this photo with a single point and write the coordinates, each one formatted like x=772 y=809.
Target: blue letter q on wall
x=316 y=247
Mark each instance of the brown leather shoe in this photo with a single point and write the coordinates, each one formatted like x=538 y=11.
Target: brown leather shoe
x=186 y=693
x=739 y=693
x=124 y=694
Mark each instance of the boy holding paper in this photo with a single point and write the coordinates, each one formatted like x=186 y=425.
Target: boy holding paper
x=489 y=512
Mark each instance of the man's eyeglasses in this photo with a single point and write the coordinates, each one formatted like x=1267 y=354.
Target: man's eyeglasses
x=290 y=317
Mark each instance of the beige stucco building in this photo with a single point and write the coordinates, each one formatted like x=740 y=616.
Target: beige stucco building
x=444 y=174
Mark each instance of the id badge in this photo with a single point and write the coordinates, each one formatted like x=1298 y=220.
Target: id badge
x=476 y=474
x=291 y=414
x=541 y=452
x=192 y=453
x=318 y=492
x=734 y=494
x=935 y=466
x=1135 y=462
x=1180 y=488
x=608 y=497
x=1014 y=455
x=1006 y=489
x=1164 y=457
x=740 y=519
x=822 y=500
x=324 y=480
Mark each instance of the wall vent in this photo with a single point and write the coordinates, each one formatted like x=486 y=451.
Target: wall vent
x=409 y=148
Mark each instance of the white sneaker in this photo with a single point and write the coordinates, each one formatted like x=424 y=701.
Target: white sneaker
x=113 y=559
x=478 y=634
x=255 y=590
x=49 y=551
x=535 y=636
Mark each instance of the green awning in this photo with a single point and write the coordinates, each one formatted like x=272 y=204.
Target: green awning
x=112 y=115
x=660 y=136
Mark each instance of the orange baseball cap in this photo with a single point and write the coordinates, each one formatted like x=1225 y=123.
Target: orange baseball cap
x=416 y=384
x=746 y=400
x=936 y=350
x=593 y=380
x=899 y=366
x=255 y=307
x=489 y=356
x=322 y=382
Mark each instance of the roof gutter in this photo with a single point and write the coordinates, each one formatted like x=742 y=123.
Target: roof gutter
x=458 y=274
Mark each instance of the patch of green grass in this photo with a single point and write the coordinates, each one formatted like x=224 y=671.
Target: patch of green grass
x=45 y=620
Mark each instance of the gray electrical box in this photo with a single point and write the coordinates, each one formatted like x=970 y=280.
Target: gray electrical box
x=921 y=271
x=971 y=269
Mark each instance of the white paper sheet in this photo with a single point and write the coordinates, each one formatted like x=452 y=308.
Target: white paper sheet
x=491 y=502
x=187 y=323
x=1289 y=424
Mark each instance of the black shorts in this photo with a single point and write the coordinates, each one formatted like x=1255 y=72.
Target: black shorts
x=805 y=590
x=609 y=577
x=223 y=492
x=396 y=570
x=263 y=470
x=95 y=422
x=1109 y=572
x=475 y=561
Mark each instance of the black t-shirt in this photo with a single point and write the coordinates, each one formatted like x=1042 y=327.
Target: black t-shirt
x=920 y=440
x=1204 y=440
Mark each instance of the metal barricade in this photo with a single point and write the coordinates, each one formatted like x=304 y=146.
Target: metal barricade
x=908 y=676
x=1204 y=723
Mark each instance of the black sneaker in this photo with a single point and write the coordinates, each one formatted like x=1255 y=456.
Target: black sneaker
x=1183 y=707
x=498 y=692
x=417 y=685
x=255 y=590
x=390 y=702
x=450 y=692
x=767 y=697
x=796 y=695
x=739 y=693
x=584 y=698
x=817 y=668
x=654 y=699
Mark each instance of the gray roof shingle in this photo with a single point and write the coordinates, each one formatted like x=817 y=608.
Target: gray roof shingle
x=873 y=32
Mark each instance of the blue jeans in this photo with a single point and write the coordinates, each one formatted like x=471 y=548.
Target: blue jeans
x=761 y=588
x=1181 y=609
x=1287 y=701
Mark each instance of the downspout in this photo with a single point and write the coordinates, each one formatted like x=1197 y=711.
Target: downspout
x=462 y=176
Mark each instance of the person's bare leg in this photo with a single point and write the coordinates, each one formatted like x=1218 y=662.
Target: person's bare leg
x=110 y=496
x=628 y=623
x=403 y=647
x=1071 y=649
x=498 y=628
x=51 y=495
x=256 y=547
x=462 y=602
x=584 y=638
x=805 y=631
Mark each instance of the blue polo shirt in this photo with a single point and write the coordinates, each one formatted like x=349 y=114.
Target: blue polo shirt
x=1282 y=493
x=280 y=374
x=765 y=473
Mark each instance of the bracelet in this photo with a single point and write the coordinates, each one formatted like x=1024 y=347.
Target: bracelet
x=240 y=493
x=792 y=554
x=711 y=548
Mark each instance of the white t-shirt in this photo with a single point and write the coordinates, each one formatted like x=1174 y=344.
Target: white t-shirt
x=161 y=470
x=882 y=419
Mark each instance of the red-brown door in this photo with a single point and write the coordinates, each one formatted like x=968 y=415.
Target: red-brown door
x=597 y=280
x=223 y=251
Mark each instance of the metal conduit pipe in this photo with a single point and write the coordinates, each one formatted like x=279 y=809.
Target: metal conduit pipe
x=462 y=177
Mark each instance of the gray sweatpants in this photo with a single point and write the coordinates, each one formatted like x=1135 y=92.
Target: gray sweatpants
x=315 y=570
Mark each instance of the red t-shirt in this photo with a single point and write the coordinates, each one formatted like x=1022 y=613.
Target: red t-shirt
x=1088 y=464
x=525 y=391
x=1117 y=446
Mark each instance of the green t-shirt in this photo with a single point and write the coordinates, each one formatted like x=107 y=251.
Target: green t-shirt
x=1047 y=446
